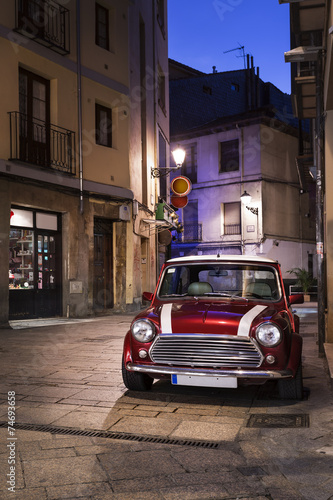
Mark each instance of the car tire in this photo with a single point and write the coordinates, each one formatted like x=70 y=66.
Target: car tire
x=136 y=381
x=292 y=388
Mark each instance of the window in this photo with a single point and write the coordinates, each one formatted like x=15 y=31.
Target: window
x=34 y=126
x=231 y=218
x=103 y=127
x=161 y=90
x=102 y=26
x=189 y=167
x=160 y=15
x=229 y=156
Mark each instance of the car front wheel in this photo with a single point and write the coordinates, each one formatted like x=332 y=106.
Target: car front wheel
x=136 y=381
x=292 y=388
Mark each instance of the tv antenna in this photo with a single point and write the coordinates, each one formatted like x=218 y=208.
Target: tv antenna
x=241 y=47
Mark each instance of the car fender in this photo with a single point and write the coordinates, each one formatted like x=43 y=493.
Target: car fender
x=295 y=352
x=127 y=351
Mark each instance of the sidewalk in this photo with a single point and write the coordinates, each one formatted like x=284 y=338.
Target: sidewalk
x=171 y=443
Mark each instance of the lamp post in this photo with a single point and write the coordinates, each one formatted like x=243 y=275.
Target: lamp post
x=178 y=156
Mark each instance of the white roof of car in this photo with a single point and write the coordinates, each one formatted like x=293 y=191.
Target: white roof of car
x=224 y=258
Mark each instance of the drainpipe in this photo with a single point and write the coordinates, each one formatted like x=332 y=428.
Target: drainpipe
x=79 y=100
x=320 y=210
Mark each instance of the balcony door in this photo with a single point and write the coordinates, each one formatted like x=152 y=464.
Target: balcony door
x=34 y=108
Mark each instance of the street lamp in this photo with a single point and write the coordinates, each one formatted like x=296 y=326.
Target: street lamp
x=178 y=156
x=246 y=199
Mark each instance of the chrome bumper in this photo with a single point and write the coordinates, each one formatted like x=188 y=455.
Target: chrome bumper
x=226 y=372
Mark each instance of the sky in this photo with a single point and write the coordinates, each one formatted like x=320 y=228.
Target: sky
x=201 y=32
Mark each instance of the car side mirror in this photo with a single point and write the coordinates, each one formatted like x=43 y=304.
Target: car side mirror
x=147 y=296
x=297 y=298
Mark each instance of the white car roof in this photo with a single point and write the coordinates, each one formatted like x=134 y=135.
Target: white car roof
x=223 y=258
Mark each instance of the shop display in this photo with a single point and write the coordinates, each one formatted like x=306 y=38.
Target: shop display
x=21 y=258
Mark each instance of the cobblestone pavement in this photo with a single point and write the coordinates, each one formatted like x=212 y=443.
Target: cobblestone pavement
x=170 y=443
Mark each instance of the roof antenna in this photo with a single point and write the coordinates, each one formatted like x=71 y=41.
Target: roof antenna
x=241 y=47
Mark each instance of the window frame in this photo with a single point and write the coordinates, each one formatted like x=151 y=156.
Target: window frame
x=98 y=36
x=229 y=156
x=99 y=108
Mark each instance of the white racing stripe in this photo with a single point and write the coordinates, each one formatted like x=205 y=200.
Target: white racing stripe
x=166 y=325
x=246 y=321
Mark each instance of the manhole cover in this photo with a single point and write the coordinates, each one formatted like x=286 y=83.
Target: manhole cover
x=285 y=420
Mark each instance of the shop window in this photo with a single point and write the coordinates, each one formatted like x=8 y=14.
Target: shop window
x=102 y=27
x=229 y=156
x=32 y=251
x=21 y=258
x=103 y=117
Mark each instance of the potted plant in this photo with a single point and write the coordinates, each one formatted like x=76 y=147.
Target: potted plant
x=304 y=279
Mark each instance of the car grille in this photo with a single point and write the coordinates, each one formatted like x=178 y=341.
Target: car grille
x=205 y=350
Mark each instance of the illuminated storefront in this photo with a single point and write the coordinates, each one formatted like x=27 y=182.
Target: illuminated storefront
x=34 y=264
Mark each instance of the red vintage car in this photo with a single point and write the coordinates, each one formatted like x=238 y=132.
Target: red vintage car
x=216 y=321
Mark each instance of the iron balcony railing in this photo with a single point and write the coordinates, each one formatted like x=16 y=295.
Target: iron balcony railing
x=232 y=229
x=192 y=232
x=45 y=21
x=37 y=142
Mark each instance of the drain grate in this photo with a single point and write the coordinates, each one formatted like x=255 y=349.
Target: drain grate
x=114 y=435
x=278 y=421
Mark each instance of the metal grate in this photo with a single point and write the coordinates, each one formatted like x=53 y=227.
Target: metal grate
x=279 y=421
x=113 y=435
x=205 y=350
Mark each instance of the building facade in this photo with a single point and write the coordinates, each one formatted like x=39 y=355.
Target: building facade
x=241 y=138
x=80 y=120
x=310 y=57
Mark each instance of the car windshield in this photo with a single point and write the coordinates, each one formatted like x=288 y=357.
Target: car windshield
x=222 y=280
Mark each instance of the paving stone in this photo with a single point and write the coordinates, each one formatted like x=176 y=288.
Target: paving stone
x=79 y=491
x=25 y=494
x=142 y=464
x=95 y=395
x=198 y=492
x=206 y=430
x=62 y=471
x=87 y=420
x=141 y=425
x=42 y=416
x=202 y=460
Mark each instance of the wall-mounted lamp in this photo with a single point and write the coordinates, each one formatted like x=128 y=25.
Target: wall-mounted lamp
x=178 y=156
x=246 y=199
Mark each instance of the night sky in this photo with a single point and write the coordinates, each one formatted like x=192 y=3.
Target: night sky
x=200 y=31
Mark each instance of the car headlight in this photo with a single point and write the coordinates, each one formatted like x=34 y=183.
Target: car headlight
x=143 y=330
x=268 y=335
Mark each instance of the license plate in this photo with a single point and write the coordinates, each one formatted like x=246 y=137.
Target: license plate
x=211 y=381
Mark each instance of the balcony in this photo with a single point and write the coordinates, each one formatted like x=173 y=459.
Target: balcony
x=192 y=233
x=44 y=21
x=232 y=229
x=42 y=144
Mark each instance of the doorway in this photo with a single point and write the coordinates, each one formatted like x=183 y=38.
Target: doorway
x=103 y=265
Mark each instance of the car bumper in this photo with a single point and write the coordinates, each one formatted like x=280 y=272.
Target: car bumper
x=226 y=372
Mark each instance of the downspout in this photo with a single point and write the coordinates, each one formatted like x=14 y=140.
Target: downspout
x=155 y=139
x=79 y=101
x=320 y=210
